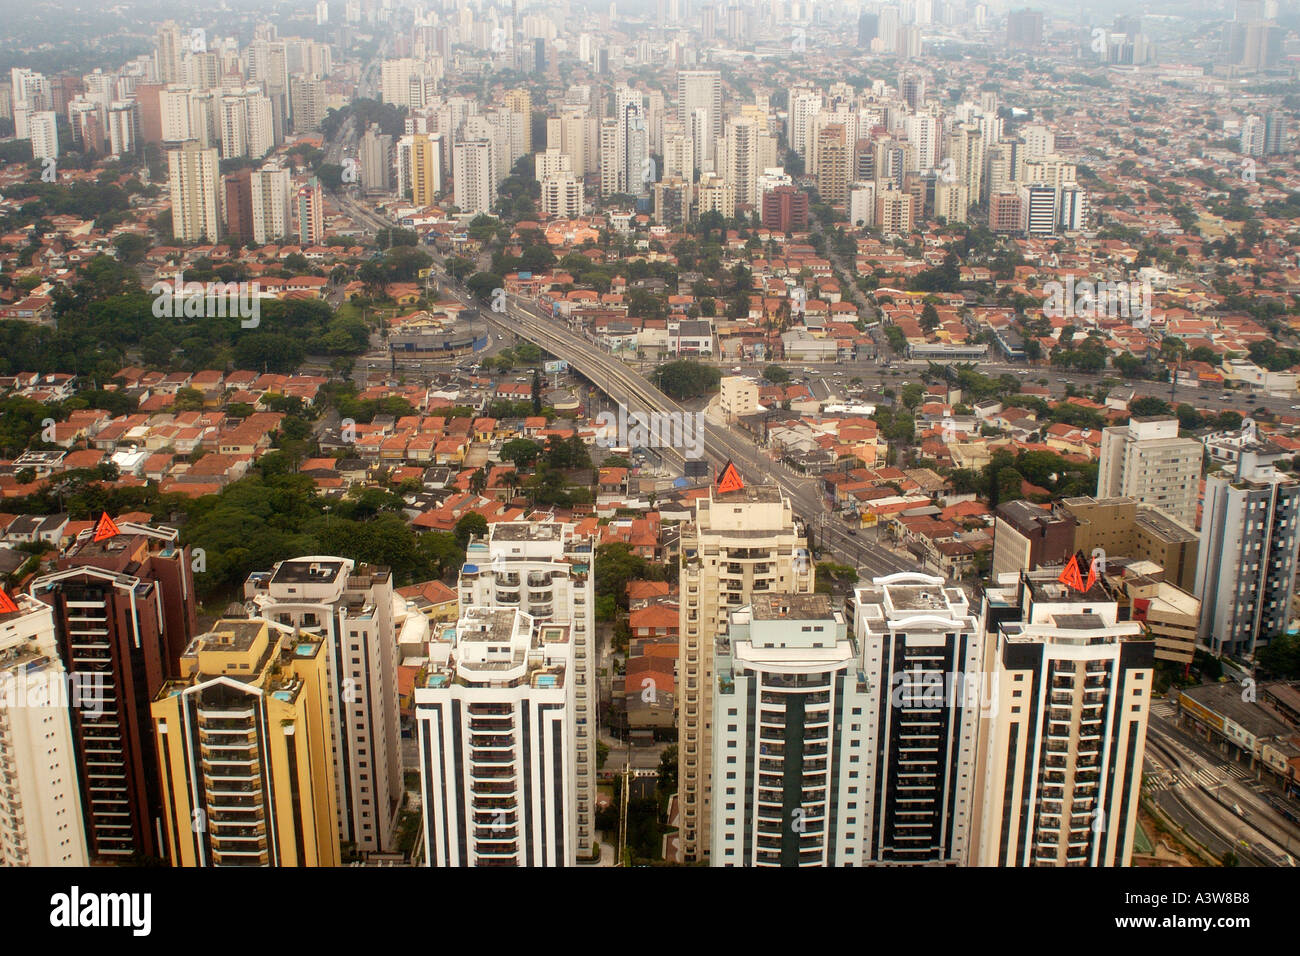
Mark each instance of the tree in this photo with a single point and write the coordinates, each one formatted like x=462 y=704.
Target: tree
x=537 y=392
x=686 y=379
x=521 y=451
x=929 y=317
x=776 y=375
x=471 y=524
x=668 y=770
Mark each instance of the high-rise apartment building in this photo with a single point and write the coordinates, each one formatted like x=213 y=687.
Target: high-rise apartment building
x=1065 y=730
x=41 y=822
x=375 y=158
x=311 y=213
x=742 y=542
x=270 y=204
x=42 y=127
x=1146 y=460
x=1024 y=29
x=495 y=715
x=785 y=208
x=244 y=749
x=473 y=176
x=788 y=753
x=894 y=212
x=169 y=48
x=520 y=102
x=546 y=570
x=195 y=182
x=701 y=90
x=1250 y=532
x=919 y=674
x=562 y=195
x=124 y=610
x=351 y=607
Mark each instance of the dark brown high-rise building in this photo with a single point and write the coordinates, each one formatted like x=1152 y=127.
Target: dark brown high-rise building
x=785 y=208
x=124 y=610
x=239 y=204
x=146 y=96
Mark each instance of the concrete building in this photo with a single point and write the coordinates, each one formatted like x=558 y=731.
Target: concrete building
x=1146 y=460
x=124 y=610
x=921 y=645
x=1120 y=527
x=473 y=177
x=738 y=396
x=311 y=213
x=1245 y=573
x=562 y=195
x=351 y=607
x=195 y=183
x=1171 y=615
x=269 y=204
x=43 y=130
x=375 y=158
x=786 y=750
x=546 y=570
x=701 y=90
x=741 y=542
x=495 y=718
x=244 y=749
x=1026 y=537
x=1065 y=731
x=41 y=821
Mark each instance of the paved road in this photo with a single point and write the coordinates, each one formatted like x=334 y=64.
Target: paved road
x=1199 y=789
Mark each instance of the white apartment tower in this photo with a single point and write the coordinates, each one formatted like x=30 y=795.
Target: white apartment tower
x=474 y=177
x=495 y=719
x=353 y=608
x=788 y=756
x=545 y=571
x=1065 y=733
x=1146 y=460
x=701 y=90
x=1246 y=563
x=44 y=131
x=41 y=823
x=742 y=542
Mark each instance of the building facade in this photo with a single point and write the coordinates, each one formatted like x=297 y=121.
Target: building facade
x=741 y=542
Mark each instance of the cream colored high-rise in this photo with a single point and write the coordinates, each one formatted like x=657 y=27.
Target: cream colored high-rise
x=40 y=801
x=1064 y=728
x=741 y=543
x=521 y=102
x=195 y=183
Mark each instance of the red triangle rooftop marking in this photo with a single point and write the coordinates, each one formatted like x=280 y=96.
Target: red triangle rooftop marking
x=730 y=479
x=106 y=528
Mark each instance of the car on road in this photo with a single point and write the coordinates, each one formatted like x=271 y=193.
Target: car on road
x=853 y=531
x=737 y=370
